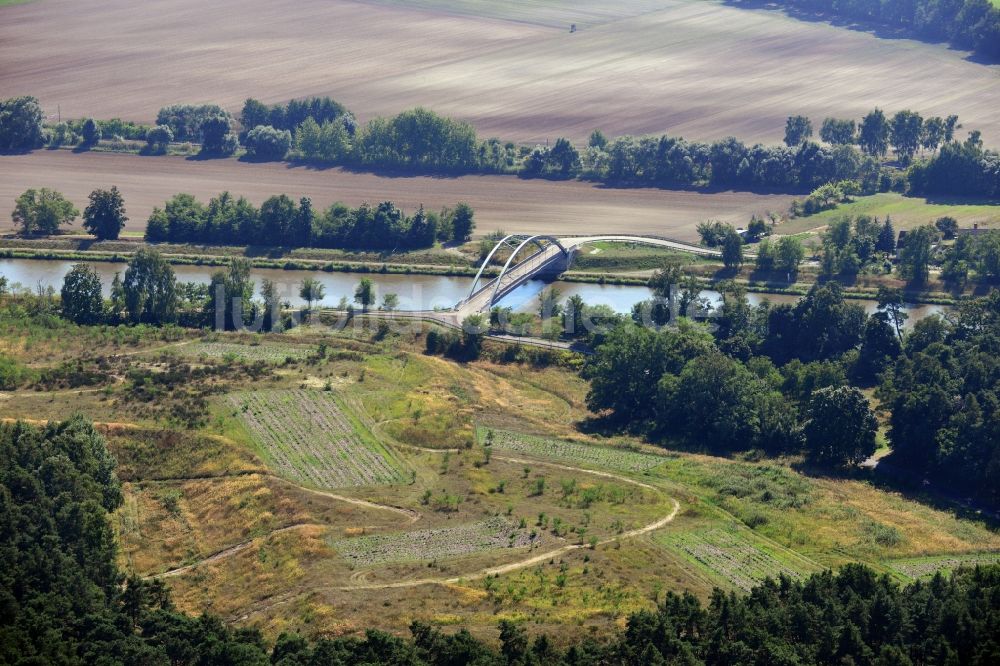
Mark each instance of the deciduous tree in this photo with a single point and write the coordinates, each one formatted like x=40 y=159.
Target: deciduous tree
x=841 y=428
x=81 y=295
x=105 y=216
x=42 y=212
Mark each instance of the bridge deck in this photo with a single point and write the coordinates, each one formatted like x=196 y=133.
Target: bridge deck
x=483 y=299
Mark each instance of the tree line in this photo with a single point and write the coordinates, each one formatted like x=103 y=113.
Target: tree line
x=965 y=24
x=321 y=130
x=66 y=601
x=148 y=292
x=282 y=221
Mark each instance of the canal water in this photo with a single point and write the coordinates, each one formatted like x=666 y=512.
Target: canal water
x=415 y=292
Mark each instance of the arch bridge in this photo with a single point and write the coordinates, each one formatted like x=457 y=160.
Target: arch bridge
x=550 y=255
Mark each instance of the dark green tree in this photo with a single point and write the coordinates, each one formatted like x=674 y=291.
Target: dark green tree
x=462 y=222
x=20 y=124
x=905 y=133
x=873 y=135
x=797 y=130
x=90 y=132
x=626 y=367
x=879 y=348
x=915 y=254
x=149 y=289
x=732 y=250
x=841 y=427
x=838 y=132
x=81 y=295
x=216 y=138
x=886 y=237
x=302 y=225
x=105 y=216
x=948 y=226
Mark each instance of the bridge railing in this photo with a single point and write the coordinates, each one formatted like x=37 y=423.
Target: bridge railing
x=492 y=282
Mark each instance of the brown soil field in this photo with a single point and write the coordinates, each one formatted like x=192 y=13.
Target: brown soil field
x=500 y=202
x=693 y=68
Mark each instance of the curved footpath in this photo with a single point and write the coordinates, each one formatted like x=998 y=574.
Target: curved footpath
x=413 y=516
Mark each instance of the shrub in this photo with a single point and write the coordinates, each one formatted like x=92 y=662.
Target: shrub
x=267 y=143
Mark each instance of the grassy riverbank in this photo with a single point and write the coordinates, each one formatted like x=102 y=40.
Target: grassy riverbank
x=616 y=264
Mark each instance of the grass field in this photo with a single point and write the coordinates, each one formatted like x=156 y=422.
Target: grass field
x=698 y=69
x=309 y=438
x=734 y=557
x=906 y=212
x=600 y=457
x=430 y=545
x=271 y=352
x=500 y=202
x=925 y=567
x=234 y=511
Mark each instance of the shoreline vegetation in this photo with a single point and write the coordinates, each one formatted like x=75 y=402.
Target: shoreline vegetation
x=13 y=248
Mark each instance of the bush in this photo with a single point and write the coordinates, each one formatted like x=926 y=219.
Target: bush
x=158 y=137
x=186 y=120
x=267 y=143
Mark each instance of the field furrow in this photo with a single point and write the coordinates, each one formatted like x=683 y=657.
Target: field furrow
x=423 y=545
x=308 y=438
x=620 y=459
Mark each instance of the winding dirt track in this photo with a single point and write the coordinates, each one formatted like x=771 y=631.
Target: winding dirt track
x=534 y=559
x=359 y=577
x=413 y=516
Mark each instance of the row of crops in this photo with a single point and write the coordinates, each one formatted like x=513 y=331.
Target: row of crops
x=925 y=567
x=308 y=438
x=604 y=457
x=270 y=352
x=732 y=557
x=431 y=544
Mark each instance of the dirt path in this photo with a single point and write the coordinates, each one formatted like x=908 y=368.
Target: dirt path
x=227 y=552
x=533 y=559
x=153 y=350
x=359 y=577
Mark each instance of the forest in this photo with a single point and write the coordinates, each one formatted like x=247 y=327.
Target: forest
x=790 y=378
x=65 y=600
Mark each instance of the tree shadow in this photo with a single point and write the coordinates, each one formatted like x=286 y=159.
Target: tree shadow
x=772 y=279
x=955 y=200
x=874 y=28
x=202 y=156
x=889 y=475
x=381 y=171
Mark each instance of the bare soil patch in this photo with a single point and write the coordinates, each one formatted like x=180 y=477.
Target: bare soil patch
x=691 y=67
x=500 y=202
